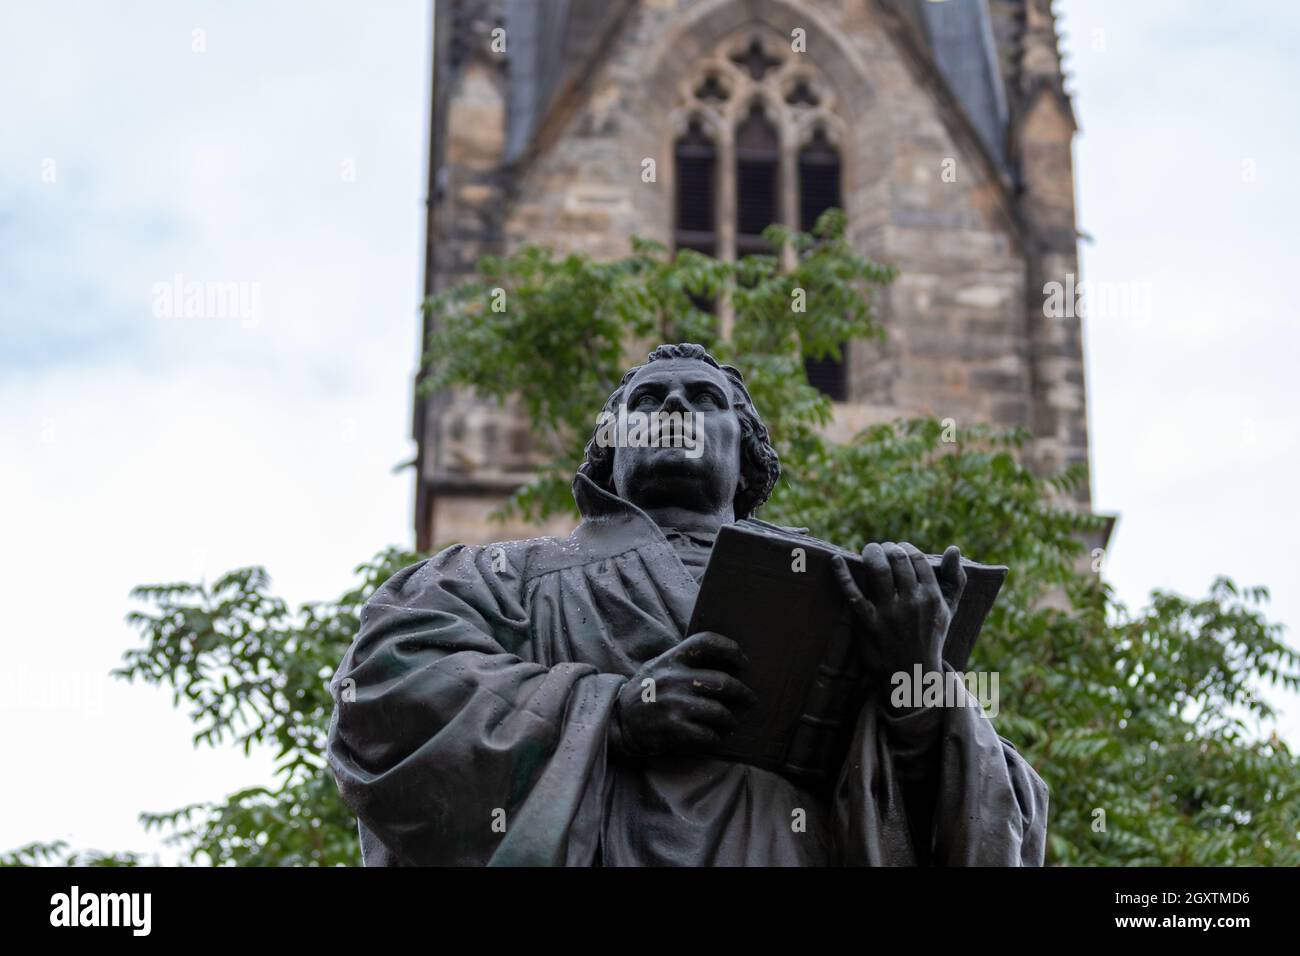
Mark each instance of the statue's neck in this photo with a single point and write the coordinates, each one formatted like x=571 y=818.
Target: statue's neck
x=675 y=518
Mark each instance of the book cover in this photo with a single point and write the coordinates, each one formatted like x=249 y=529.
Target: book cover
x=773 y=591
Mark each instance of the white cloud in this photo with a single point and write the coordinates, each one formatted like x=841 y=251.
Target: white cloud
x=140 y=449
x=1192 y=407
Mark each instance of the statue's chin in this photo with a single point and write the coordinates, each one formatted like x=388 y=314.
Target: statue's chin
x=669 y=461
x=673 y=474
x=686 y=488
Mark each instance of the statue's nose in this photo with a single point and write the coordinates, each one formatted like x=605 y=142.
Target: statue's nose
x=675 y=402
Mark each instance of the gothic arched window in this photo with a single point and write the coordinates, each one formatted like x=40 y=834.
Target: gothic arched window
x=819 y=190
x=819 y=179
x=696 y=201
x=755 y=151
x=758 y=165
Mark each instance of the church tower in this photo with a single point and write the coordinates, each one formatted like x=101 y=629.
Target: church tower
x=941 y=127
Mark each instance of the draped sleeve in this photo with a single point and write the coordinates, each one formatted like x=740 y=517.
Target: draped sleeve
x=939 y=788
x=448 y=742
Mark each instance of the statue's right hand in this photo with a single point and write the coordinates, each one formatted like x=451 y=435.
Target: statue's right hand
x=684 y=700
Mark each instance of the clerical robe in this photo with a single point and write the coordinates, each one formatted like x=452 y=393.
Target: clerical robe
x=474 y=709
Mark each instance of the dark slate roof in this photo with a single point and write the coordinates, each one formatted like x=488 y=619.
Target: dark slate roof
x=534 y=40
x=552 y=42
x=960 y=36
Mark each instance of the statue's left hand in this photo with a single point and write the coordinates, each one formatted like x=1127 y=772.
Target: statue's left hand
x=902 y=618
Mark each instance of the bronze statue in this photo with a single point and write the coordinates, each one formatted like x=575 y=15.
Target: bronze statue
x=541 y=701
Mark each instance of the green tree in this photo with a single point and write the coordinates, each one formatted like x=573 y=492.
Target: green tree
x=1146 y=725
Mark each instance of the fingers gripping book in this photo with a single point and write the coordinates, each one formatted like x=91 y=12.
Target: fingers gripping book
x=773 y=591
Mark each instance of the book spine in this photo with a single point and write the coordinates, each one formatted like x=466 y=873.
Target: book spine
x=819 y=739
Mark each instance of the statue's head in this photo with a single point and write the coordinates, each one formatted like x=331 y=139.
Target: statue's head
x=722 y=455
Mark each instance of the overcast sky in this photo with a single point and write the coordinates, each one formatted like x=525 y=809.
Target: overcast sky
x=282 y=148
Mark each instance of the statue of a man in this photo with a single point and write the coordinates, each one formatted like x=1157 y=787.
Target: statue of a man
x=494 y=710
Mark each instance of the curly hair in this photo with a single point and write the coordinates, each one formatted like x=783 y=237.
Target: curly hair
x=759 y=465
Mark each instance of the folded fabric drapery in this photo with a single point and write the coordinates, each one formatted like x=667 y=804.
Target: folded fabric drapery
x=481 y=691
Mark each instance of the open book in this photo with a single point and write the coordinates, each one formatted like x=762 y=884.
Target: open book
x=773 y=592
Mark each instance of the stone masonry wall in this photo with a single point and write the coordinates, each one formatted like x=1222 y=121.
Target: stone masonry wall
x=966 y=337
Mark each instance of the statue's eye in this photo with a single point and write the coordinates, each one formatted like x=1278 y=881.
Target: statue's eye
x=707 y=399
x=644 y=400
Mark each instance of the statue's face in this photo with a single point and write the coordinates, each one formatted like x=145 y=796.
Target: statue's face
x=701 y=476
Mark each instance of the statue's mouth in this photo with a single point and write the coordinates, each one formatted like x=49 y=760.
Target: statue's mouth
x=670 y=462
x=670 y=453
